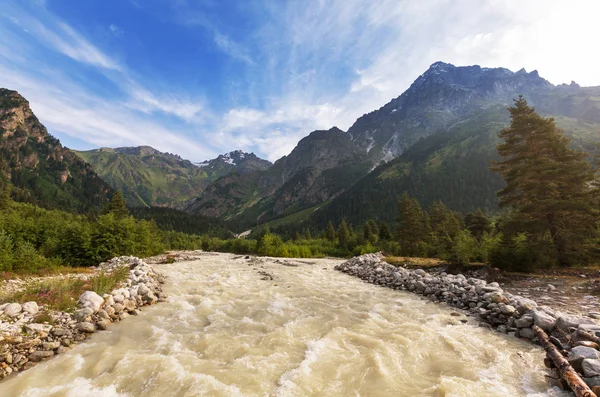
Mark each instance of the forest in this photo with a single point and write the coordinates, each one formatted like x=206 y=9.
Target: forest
x=548 y=216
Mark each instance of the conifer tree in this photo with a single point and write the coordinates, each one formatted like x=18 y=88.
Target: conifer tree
x=343 y=234
x=444 y=227
x=307 y=235
x=367 y=231
x=548 y=185
x=297 y=236
x=384 y=232
x=477 y=223
x=330 y=232
x=117 y=206
x=411 y=229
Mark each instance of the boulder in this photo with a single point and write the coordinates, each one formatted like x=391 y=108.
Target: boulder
x=585 y=352
x=82 y=315
x=525 y=321
x=92 y=300
x=40 y=355
x=543 y=320
x=30 y=307
x=86 y=327
x=566 y=321
x=50 y=345
x=591 y=367
x=103 y=324
x=13 y=310
x=143 y=290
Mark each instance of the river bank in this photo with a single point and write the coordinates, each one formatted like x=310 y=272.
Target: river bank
x=31 y=332
x=574 y=336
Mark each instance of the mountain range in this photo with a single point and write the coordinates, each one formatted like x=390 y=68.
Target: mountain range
x=148 y=177
x=434 y=141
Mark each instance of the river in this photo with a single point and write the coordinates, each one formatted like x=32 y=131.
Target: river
x=311 y=331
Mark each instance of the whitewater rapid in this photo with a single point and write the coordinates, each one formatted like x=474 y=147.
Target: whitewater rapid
x=311 y=331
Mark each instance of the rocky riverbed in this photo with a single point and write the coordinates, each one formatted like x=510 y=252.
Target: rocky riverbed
x=494 y=308
x=25 y=342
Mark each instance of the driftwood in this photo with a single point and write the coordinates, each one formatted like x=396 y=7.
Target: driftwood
x=579 y=387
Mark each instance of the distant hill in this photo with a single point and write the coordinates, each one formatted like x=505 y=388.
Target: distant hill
x=148 y=177
x=41 y=170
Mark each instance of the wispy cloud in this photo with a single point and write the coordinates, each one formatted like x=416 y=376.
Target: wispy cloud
x=232 y=49
x=116 y=31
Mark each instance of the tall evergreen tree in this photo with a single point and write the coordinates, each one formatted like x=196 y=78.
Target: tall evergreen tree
x=307 y=235
x=384 y=232
x=444 y=227
x=477 y=223
x=343 y=234
x=411 y=227
x=117 y=206
x=330 y=232
x=548 y=185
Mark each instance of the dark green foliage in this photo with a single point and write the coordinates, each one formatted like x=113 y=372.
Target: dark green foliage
x=444 y=227
x=548 y=184
x=477 y=223
x=183 y=222
x=411 y=227
x=330 y=232
x=384 y=232
x=117 y=206
x=343 y=234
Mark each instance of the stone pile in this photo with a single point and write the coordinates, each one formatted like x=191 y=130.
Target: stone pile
x=23 y=342
x=493 y=308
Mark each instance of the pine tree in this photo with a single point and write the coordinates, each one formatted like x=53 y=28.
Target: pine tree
x=444 y=227
x=384 y=232
x=367 y=231
x=117 y=206
x=330 y=232
x=307 y=235
x=343 y=234
x=297 y=236
x=548 y=185
x=477 y=223
x=411 y=228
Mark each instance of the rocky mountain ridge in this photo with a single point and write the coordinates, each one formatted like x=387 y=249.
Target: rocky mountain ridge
x=40 y=169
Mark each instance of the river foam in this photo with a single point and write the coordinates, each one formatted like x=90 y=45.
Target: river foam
x=308 y=332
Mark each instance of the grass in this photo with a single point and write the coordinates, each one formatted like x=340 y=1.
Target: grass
x=46 y=271
x=62 y=294
x=413 y=261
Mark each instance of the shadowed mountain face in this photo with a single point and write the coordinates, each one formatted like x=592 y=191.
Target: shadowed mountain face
x=148 y=177
x=435 y=141
x=40 y=169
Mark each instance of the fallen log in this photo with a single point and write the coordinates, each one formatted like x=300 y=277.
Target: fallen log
x=579 y=387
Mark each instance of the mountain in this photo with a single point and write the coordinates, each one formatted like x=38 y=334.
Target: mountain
x=40 y=169
x=149 y=177
x=321 y=166
x=435 y=141
x=237 y=161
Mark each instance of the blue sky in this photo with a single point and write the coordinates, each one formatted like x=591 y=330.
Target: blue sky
x=204 y=77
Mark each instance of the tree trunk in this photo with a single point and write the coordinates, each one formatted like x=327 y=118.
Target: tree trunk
x=559 y=242
x=579 y=387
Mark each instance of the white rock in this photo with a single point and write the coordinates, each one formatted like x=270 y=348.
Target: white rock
x=92 y=300
x=143 y=290
x=13 y=310
x=31 y=307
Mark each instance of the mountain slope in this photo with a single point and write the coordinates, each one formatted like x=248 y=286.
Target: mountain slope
x=41 y=170
x=320 y=167
x=148 y=177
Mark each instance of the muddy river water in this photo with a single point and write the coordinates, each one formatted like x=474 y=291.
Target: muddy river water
x=311 y=331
